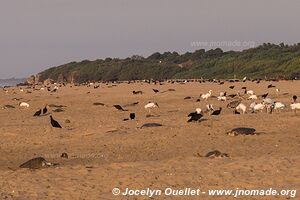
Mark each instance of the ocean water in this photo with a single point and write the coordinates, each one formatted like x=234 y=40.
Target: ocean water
x=10 y=82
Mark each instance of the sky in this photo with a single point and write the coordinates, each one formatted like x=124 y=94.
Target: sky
x=38 y=34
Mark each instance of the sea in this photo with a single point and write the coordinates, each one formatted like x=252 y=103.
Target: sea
x=11 y=82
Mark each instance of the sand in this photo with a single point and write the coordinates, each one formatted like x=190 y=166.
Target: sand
x=106 y=152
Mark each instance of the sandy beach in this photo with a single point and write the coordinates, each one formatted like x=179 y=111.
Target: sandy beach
x=106 y=152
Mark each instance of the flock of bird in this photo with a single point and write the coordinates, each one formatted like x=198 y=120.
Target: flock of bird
x=237 y=102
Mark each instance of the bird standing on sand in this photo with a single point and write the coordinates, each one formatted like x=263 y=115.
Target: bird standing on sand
x=45 y=110
x=295 y=106
x=118 y=107
x=54 y=123
x=207 y=95
x=155 y=90
x=38 y=113
x=217 y=112
x=132 y=116
x=270 y=86
x=242 y=107
x=24 y=104
x=36 y=163
x=151 y=105
x=253 y=96
x=295 y=98
x=195 y=116
x=236 y=112
x=264 y=95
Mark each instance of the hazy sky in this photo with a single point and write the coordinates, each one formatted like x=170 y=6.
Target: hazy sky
x=37 y=34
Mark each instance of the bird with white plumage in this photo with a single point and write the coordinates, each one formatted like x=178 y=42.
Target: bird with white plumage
x=24 y=104
x=252 y=97
x=259 y=107
x=279 y=106
x=207 y=95
x=151 y=105
x=242 y=107
x=295 y=106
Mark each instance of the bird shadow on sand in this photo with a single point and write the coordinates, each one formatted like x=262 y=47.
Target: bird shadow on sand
x=116 y=132
x=152 y=116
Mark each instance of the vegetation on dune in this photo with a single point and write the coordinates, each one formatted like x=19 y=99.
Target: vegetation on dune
x=267 y=60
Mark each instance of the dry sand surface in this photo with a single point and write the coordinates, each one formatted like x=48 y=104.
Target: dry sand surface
x=106 y=152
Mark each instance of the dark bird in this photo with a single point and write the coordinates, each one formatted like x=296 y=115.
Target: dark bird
x=131 y=104
x=8 y=106
x=264 y=95
x=221 y=83
x=241 y=131
x=257 y=82
x=54 y=123
x=137 y=92
x=118 y=107
x=36 y=163
x=234 y=104
x=244 y=88
x=45 y=110
x=216 y=154
x=156 y=91
x=236 y=112
x=270 y=86
x=295 y=98
x=64 y=155
x=195 y=116
x=217 y=112
x=231 y=87
x=38 y=113
x=58 y=110
x=132 y=116
x=232 y=95
x=198 y=100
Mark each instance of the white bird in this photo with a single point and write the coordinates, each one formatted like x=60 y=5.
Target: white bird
x=241 y=107
x=259 y=106
x=209 y=107
x=151 y=105
x=277 y=91
x=245 y=78
x=207 y=95
x=295 y=106
x=268 y=101
x=250 y=92
x=221 y=98
x=24 y=104
x=253 y=96
x=222 y=94
x=279 y=105
x=251 y=107
x=198 y=110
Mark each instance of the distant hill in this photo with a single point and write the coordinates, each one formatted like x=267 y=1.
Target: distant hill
x=267 y=60
x=11 y=81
